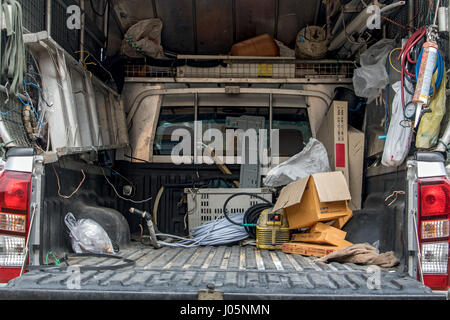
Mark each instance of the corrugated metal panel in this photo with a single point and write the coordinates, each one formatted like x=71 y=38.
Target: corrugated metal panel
x=66 y=38
x=178 y=29
x=214 y=26
x=148 y=179
x=292 y=17
x=240 y=272
x=254 y=17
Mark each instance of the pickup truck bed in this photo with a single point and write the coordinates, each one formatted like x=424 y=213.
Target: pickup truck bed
x=239 y=272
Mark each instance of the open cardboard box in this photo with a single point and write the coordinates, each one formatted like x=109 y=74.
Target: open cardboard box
x=311 y=249
x=321 y=233
x=319 y=197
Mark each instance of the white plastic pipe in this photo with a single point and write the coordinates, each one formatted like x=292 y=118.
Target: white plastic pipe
x=359 y=24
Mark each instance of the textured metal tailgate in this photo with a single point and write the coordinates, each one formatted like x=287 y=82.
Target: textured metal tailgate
x=240 y=272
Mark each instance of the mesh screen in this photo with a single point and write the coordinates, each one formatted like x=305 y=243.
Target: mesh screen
x=11 y=114
x=33 y=14
x=66 y=38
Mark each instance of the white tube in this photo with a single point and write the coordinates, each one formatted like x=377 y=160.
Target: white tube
x=443 y=19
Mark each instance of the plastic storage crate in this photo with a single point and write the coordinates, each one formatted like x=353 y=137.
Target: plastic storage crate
x=205 y=205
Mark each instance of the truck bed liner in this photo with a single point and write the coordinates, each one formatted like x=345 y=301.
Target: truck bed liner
x=240 y=272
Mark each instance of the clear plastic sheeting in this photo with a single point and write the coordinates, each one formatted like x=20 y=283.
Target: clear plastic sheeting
x=312 y=159
x=372 y=76
x=88 y=235
x=399 y=135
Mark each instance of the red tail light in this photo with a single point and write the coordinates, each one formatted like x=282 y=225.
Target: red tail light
x=434 y=231
x=434 y=196
x=14 y=218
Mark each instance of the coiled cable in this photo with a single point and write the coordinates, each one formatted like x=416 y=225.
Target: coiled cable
x=251 y=215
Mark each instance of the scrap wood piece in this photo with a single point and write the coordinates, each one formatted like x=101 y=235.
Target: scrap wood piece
x=219 y=163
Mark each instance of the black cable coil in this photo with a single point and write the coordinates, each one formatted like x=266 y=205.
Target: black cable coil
x=251 y=215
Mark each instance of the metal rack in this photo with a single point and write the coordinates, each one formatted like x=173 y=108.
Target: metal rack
x=192 y=68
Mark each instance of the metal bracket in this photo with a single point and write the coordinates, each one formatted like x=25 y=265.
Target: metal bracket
x=232 y=89
x=210 y=293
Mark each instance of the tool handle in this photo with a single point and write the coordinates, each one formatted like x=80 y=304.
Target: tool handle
x=143 y=214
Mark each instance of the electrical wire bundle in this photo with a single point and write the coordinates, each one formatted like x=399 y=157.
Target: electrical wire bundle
x=405 y=57
x=406 y=61
x=217 y=232
x=232 y=228
x=13 y=63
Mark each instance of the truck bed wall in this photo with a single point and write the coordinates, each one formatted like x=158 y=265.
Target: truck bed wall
x=378 y=221
x=375 y=222
x=54 y=234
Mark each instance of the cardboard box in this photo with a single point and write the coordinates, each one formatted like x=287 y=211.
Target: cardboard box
x=340 y=222
x=355 y=164
x=317 y=237
x=321 y=233
x=319 y=197
x=333 y=134
x=322 y=227
x=310 y=249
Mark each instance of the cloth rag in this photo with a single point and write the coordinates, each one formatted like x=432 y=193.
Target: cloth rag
x=362 y=253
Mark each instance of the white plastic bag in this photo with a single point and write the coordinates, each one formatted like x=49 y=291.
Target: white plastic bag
x=372 y=75
x=399 y=135
x=143 y=38
x=88 y=235
x=312 y=159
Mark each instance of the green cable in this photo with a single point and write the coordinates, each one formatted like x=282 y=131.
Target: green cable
x=57 y=262
x=447 y=146
x=248 y=225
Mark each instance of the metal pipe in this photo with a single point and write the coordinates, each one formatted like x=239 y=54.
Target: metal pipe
x=48 y=17
x=270 y=124
x=436 y=12
x=411 y=15
x=137 y=101
x=6 y=91
x=316 y=14
x=82 y=32
x=196 y=133
x=105 y=22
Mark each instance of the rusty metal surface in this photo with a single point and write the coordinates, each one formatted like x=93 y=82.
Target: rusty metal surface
x=212 y=26
x=178 y=25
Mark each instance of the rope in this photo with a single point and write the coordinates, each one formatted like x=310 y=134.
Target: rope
x=395 y=195
x=75 y=191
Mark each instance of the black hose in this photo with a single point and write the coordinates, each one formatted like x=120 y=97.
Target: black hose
x=126 y=262
x=251 y=215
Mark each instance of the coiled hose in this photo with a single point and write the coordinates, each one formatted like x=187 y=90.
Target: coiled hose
x=251 y=215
